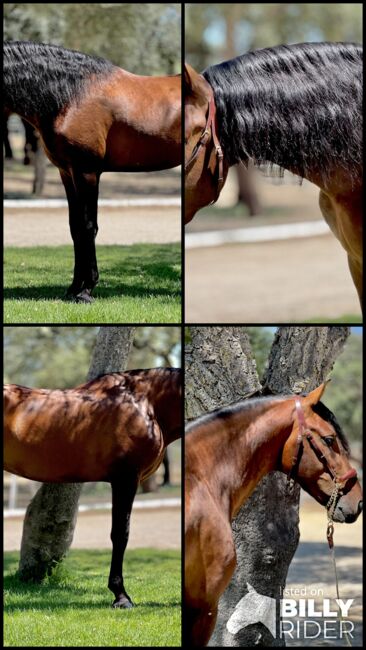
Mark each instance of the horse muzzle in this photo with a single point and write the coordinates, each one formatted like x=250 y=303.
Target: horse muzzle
x=346 y=514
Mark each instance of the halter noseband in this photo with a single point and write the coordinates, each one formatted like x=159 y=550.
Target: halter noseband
x=210 y=128
x=339 y=481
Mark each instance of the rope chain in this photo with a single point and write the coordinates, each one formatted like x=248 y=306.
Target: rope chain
x=331 y=505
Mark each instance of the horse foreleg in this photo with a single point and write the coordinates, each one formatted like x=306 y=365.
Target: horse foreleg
x=123 y=494
x=82 y=195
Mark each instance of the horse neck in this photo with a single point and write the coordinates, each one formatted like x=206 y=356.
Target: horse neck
x=164 y=393
x=232 y=454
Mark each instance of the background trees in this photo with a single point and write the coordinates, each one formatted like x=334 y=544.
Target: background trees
x=215 y=32
x=144 y=38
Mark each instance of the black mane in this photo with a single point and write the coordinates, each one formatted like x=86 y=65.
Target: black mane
x=296 y=106
x=43 y=79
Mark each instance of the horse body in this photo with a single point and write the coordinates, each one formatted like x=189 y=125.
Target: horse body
x=226 y=455
x=131 y=123
x=92 y=117
x=298 y=107
x=114 y=428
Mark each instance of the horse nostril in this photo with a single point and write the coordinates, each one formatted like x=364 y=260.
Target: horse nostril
x=359 y=507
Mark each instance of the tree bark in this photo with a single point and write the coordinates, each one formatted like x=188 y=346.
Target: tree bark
x=266 y=528
x=51 y=515
x=219 y=369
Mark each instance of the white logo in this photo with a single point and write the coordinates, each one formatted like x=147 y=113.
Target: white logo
x=253 y=608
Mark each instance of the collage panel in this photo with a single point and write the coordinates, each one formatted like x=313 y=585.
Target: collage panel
x=273 y=162
x=90 y=91
x=273 y=499
x=92 y=458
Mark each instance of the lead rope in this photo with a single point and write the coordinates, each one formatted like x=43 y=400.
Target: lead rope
x=331 y=505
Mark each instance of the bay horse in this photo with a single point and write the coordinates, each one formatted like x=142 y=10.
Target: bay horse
x=114 y=428
x=227 y=452
x=295 y=106
x=92 y=117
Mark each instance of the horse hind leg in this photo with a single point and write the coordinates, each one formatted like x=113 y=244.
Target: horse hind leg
x=123 y=494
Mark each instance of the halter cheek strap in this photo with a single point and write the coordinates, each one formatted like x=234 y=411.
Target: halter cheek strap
x=210 y=128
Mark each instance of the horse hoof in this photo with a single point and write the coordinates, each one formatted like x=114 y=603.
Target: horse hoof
x=123 y=604
x=84 y=297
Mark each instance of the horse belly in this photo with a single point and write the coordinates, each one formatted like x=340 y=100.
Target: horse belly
x=128 y=149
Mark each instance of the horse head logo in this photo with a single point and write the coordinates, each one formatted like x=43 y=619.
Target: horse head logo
x=253 y=608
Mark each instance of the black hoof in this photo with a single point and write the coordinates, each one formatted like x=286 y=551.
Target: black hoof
x=85 y=297
x=123 y=603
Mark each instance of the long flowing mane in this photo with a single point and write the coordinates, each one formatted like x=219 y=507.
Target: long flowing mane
x=43 y=79
x=296 y=106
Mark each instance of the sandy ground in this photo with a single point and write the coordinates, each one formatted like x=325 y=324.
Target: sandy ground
x=312 y=572
x=120 y=226
x=149 y=528
x=276 y=282
x=269 y=282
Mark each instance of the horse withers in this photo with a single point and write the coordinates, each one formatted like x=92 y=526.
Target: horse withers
x=114 y=428
x=227 y=452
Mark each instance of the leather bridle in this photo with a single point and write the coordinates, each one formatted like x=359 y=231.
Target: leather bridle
x=305 y=433
x=210 y=129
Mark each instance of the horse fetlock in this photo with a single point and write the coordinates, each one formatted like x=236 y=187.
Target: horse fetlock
x=123 y=602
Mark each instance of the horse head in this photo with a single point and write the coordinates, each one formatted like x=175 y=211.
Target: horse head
x=316 y=454
x=205 y=167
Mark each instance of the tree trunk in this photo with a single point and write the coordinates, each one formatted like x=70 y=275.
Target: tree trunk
x=266 y=528
x=51 y=515
x=219 y=369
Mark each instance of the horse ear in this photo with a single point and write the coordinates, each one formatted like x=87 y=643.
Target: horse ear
x=316 y=394
x=194 y=84
x=189 y=72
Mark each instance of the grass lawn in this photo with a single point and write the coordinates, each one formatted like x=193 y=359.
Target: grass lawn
x=138 y=284
x=73 y=607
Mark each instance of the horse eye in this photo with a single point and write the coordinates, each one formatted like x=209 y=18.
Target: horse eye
x=329 y=441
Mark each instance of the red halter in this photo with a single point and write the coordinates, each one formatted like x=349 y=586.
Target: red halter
x=203 y=140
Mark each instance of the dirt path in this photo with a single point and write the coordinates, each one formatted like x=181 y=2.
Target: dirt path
x=121 y=226
x=149 y=528
x=280 y=281
x=311 y=574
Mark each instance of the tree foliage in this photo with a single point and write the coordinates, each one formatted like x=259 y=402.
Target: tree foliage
x=144 y=38
x=59 y=357
x=218 y=31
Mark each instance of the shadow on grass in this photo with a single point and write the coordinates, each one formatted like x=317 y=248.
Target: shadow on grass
x=63 y=591
x=140 y=271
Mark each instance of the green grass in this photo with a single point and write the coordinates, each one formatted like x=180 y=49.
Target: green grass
x=72 y=608
x=138 y=284
x=345 y=318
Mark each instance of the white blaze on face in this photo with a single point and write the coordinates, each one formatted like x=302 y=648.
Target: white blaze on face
x=253 y=608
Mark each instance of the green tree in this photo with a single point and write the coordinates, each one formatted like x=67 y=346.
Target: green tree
x=144 y=38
